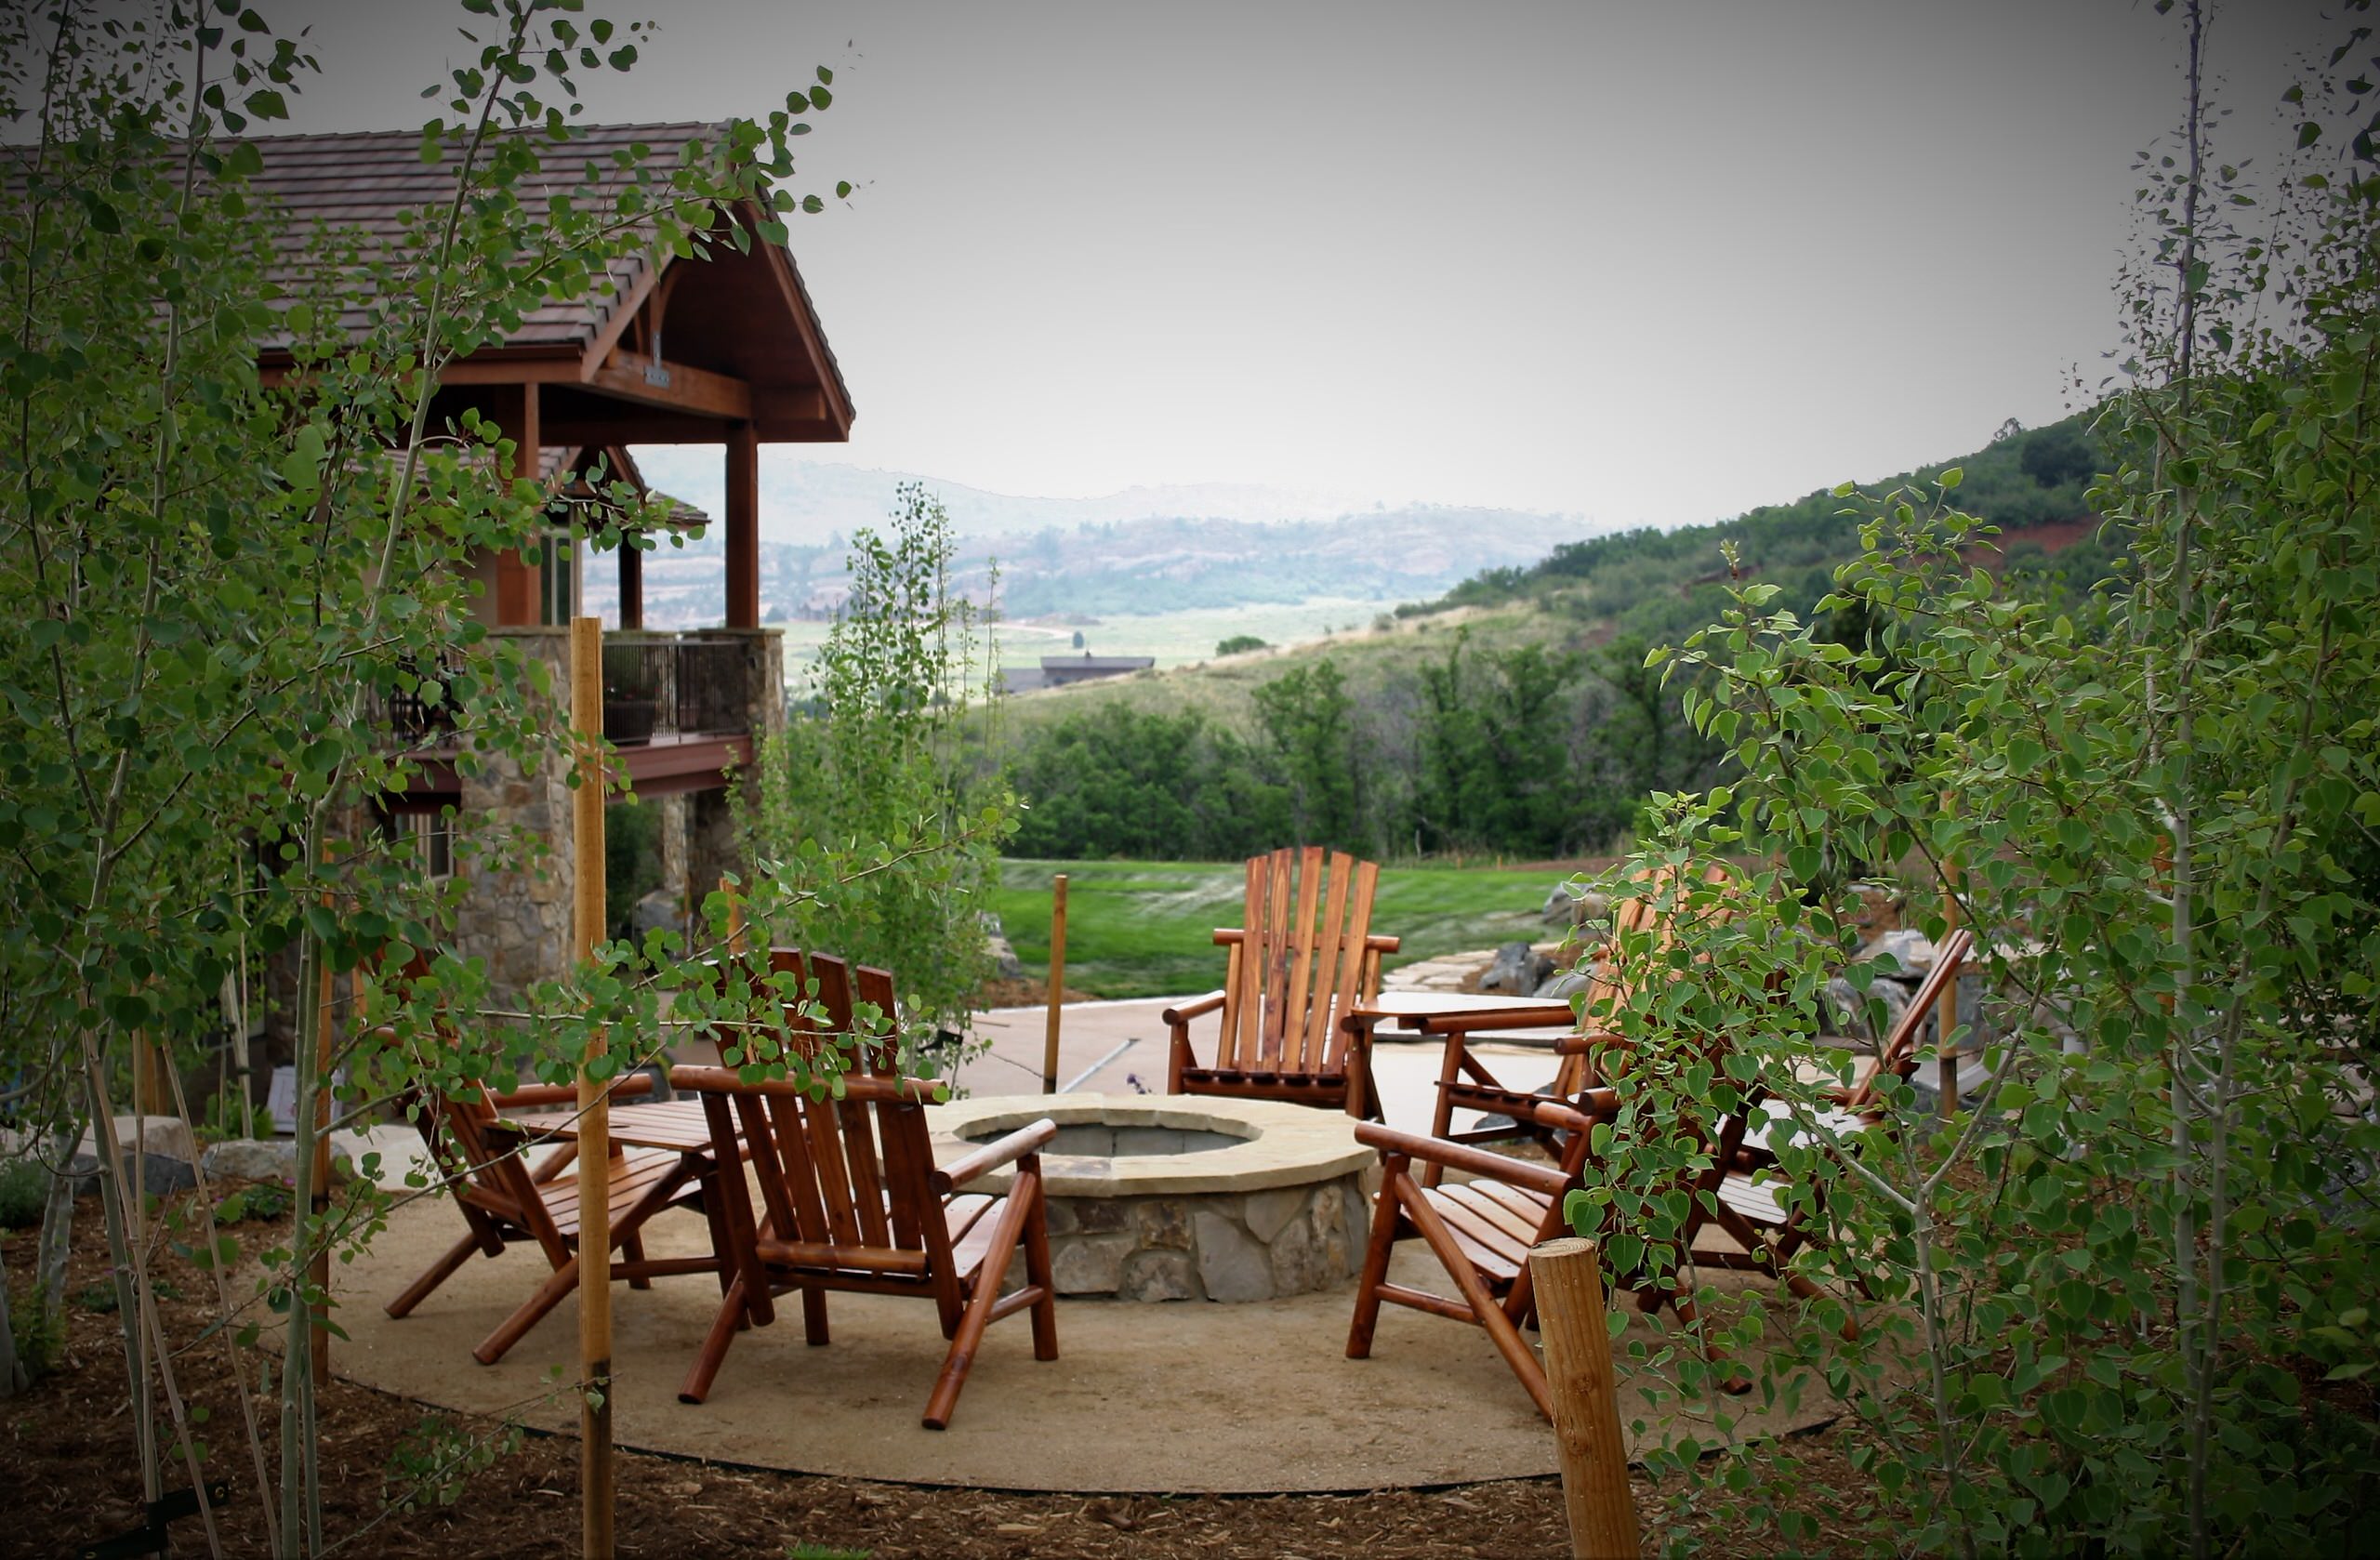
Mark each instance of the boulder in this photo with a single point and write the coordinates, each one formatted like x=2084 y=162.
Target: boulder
x=1842 y=1008
x=1565 y=907
x=1518 y=970
x=265 y=1159
x=1561 y=985
x=657 y=911
x=1911 y=951
x=169 y=1136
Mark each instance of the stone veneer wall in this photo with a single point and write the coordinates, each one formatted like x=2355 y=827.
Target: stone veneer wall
x=1285 y=1240
x=519 y=921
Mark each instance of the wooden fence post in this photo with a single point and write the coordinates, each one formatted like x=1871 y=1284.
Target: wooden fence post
x=1946 y=1007
x=594 y=1101
x=318 y=1269
x=1057 y=992
x=1567 y=1274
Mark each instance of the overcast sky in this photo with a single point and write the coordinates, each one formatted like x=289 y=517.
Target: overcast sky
x=1641 y=262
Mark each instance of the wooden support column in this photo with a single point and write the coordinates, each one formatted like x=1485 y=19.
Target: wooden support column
x=587 y=928
x=516 y=582
x=631 y=582
x=743 y=526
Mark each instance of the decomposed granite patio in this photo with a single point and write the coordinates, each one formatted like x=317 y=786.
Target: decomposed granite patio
x=1186 y=1395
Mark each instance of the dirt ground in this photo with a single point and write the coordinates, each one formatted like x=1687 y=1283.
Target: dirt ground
x=68 y=1451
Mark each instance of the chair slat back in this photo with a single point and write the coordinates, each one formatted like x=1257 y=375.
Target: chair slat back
x=851 y=1173
x=1898 y=1055
x=1303 y=955
x=1612 y=981
x=497 y=1179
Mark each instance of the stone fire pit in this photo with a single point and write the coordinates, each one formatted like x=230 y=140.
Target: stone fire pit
x=1161 y=1197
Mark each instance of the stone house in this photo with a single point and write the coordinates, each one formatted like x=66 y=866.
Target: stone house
x=737 y=360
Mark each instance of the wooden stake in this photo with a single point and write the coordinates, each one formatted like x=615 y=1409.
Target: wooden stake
x=1946 y=1007
x=594 y=1103
x=318 y=1269
x=1567 y=1274
x=1057 y=984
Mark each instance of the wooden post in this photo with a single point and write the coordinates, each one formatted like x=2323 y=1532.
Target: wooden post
x=594 y=1103
x=1057 y=984
x=518 y=588
x=743 y=526
x=1567 y=1274
x=631 y=582
x=318 y=1269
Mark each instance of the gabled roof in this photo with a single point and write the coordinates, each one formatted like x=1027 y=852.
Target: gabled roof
x=767 y=335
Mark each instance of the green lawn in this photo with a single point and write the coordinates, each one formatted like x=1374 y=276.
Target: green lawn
x=1144 y=928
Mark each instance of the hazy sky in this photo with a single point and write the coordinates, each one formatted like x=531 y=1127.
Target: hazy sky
x=1653 y=262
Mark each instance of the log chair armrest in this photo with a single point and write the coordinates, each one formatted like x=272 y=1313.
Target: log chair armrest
x=553 y=1096
x=1562 y=1116
x=1579 y=1045
x=992 y=1155
x=1462 y=1156
x=1177 y=1017
x=1539 y=1015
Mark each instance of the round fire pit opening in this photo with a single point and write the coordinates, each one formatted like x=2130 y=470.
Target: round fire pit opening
x=1158 y=1198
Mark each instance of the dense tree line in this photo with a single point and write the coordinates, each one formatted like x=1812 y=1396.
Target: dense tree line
x=1524 y=751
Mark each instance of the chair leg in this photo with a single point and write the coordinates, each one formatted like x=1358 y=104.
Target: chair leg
x=549 y=1295
x=1506 y=1336
x=978 y=1315
x=1036 y=1273
x=633 y=1249
x=440 y=1271
x=813 y=1316
x=705 y=1369
x=1376 y=1254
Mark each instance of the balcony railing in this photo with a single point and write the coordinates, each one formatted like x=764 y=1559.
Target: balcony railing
x=424 y=718
x=676 y=685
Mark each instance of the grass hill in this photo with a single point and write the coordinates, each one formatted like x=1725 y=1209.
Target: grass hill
x=2029 y=483
x=1510 y=715
x=1654 y=584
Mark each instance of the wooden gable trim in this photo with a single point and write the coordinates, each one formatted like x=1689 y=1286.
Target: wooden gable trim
x=679 y=387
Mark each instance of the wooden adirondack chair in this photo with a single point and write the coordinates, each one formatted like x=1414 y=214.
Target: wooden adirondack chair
x=833 y=983
x=1480 y=1231
x=1465 y=1082
x=1302 y=959
x=503 y=1203
x=1752 y=1207
x=852 y=1201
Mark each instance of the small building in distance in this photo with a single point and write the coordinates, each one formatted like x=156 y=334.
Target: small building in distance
x=1058 y=670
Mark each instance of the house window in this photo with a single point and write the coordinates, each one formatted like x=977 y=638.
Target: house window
x=556 y=579
x=428 y=835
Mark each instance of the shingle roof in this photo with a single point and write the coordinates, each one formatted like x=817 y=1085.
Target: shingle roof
x=368 y=181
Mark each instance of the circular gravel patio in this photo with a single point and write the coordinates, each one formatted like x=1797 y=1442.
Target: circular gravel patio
x=1255 y=1397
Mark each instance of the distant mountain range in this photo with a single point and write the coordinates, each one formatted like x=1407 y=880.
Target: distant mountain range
x=1144 y=549
x=808 y=502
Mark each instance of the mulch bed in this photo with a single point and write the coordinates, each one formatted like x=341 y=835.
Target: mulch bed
x=72 y=1479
